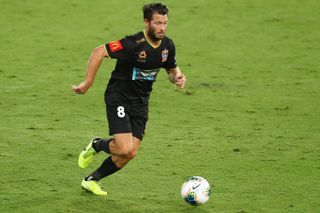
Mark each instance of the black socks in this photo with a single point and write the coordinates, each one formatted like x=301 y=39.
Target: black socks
x=107 y=168
x=102 y=145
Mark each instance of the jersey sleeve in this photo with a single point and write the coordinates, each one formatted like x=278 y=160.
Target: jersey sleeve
x=121 y=49
x=171 y=61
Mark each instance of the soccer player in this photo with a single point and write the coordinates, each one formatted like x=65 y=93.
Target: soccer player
x=139 y=59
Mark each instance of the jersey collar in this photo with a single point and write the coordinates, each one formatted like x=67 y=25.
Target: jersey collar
x=149 y=40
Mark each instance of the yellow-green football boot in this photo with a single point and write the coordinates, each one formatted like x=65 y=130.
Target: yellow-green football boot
x=86 y=156
x=93 y=187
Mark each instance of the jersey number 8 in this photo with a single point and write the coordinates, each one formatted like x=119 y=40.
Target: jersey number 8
x=120 y=112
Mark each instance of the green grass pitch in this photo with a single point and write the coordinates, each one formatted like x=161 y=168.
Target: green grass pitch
x=248 y=120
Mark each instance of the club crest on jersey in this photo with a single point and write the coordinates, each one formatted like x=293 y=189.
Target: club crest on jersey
x=142 y=56
x=115 y=46
x=164 y=55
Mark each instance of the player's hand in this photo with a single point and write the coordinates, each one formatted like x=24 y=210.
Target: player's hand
x=81 y=88
x=180 y=80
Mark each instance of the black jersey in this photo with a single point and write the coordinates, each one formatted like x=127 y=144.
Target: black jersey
x=138 y=64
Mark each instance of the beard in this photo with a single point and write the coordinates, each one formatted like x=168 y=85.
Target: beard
x=152 y=35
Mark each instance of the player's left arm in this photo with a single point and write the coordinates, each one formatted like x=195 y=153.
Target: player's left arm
x=177 y=77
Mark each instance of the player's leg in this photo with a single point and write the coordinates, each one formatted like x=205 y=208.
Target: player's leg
x=109 y=166
x=123 y=144
x=122 y=151
x=114 y=162
x=119 y=122
x=120 y=145
x=120 y=148
x=123 y=147
x=121 y=161
x=138 y=120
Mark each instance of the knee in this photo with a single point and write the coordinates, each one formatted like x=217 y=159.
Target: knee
x=132 y=154
x=129 y=153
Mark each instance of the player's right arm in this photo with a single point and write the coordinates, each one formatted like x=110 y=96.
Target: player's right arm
x=94 y=63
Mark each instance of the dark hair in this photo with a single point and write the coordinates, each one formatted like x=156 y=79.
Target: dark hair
x=150 y=9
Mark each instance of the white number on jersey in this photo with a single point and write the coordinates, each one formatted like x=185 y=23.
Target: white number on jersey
x=121 y=113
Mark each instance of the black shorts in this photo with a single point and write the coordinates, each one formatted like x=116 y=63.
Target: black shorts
x=127 y=118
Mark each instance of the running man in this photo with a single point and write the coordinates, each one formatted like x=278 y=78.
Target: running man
x=139 y=59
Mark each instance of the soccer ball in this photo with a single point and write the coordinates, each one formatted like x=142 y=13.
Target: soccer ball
x=196 y=191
